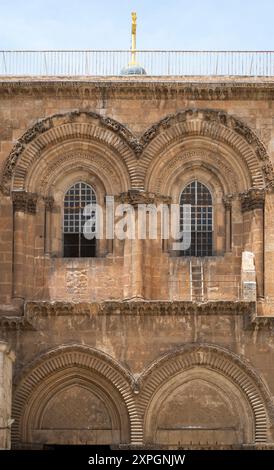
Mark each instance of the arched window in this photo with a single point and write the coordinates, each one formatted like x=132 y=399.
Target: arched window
x=198 y=196
x=76 y=245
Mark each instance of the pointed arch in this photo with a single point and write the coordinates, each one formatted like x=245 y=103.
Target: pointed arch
x=223 y=363
x=81 y=366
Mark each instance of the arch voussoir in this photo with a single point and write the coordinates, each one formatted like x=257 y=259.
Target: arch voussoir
x=60 y=128
x=219 y=127
x=62 y=359
x=217 y=359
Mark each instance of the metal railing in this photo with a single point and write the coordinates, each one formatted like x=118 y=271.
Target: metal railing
x=155 y=63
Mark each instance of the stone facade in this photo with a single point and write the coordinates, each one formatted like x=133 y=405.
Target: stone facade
x=116 y=349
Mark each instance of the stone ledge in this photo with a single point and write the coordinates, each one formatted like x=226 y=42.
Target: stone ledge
x=201 y=88
x=35 y=309
x=258 y=322
x=15 y=323
x=46 y=309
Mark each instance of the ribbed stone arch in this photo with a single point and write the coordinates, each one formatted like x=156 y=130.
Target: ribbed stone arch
x=218 y=126
x=61 y=127
x=214 y=358
x=57 y=161
x=61 y=359
x=184 y=155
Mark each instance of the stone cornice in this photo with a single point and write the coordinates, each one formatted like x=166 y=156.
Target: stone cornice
x=258 y=322
x=24 y=201
x=254 y=198
x=200 y=88
x=136 y=196
x=35 y=309
x=14 y=323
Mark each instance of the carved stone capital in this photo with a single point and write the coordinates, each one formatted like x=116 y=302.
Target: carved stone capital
x=49 y=203
x=252 y=199
x=227 y=200
x=135 y=197
x=24 y=201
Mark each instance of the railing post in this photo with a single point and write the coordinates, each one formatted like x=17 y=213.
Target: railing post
x=4 y=62
x=106 y=63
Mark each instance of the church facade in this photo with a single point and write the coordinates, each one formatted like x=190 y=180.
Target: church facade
x=128 y=342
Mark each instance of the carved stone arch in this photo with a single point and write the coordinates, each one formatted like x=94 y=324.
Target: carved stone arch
x=206 y=175
x=229 y=367
x=74 y=125
x=70 y=155
x=78 y=366
x=216 y=126
x=197 y=153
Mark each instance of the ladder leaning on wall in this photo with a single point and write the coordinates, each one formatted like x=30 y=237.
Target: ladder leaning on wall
x=196 y=273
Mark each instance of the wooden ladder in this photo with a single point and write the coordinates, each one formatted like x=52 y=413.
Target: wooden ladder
x=196 y=281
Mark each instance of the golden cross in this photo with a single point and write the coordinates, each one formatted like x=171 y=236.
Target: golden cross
x=133 y=37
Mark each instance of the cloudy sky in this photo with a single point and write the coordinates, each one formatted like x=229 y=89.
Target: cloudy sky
x=162 y=24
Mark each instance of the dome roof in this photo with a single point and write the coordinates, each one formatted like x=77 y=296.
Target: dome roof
x=133 y=70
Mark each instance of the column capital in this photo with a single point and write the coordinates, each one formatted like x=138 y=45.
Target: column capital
x=24 y=201
x=252 y=199
x=49 y=203
x=227 y=200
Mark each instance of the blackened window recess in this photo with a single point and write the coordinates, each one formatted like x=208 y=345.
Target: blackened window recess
x=76 y=244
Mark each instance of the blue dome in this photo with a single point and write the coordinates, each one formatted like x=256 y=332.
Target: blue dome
x=133 y=70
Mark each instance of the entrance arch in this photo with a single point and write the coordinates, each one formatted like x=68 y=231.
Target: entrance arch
x=203 y=395
x=73 y=395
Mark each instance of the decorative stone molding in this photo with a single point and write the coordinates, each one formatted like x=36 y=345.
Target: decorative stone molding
x=42 y=309
x=217 y=125
x=24 y=202
x=113 y=175
x=209 y=115
x=252 y=199
x=35 y=309
x=161 y=308
x=178 y=163
x=135 y=197
x=75 y=355
x=267 y=169
x=255 y=322
x=220 y=360
x=14 y=323
x=146 y=88
x=73 y=124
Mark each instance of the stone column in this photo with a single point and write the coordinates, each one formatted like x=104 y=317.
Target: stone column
x=133 y=249
x=252 y=203
x=248 y=277
x=49 y=203
x=227 y=200
x=7 y=357
x=23 y=203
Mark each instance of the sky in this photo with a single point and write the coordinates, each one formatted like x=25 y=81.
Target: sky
x=162 y=24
